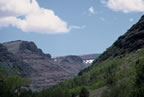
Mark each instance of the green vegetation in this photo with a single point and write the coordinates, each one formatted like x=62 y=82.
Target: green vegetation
x=138 y=88
x=11 y=83
x=117 y=76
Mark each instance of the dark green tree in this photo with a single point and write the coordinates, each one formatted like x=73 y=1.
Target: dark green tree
x=11 y=83
x=84 y=92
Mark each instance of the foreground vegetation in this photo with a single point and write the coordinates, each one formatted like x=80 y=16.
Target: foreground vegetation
x=120 y=76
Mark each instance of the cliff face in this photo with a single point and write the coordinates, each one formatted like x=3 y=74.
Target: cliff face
x=39 y=67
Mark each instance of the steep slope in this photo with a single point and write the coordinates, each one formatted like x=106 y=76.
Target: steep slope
x=113 y=74
x=117 y=63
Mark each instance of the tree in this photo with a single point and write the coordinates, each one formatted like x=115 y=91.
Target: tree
x=11 y=83
x=84 y=92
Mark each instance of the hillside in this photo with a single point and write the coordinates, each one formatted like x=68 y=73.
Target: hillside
x=117 y=72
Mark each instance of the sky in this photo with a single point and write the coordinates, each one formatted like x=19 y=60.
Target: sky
x=68 y=27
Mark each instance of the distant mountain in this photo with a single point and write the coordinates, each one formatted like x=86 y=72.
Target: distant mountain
x=74 y=63
x=89 y=58
x=43 y=70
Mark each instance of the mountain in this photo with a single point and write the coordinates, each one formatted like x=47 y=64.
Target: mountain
x=89 y=58
x=43 y=70
x=11 y=61
x=118 y=72
x=74 y=63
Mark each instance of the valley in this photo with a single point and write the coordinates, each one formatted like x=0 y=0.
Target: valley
x=117 y=72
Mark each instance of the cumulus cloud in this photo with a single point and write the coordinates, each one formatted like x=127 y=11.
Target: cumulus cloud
x=91 y=10
x=36 y=19
x=126 y=5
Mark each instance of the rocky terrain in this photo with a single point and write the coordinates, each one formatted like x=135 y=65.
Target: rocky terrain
x=43 y=70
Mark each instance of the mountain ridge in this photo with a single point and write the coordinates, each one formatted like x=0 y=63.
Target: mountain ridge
x=45 y=70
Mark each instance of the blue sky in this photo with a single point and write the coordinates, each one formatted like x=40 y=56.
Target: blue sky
x=88 y=26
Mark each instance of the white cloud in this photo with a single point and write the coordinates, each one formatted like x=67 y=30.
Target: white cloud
x=36 y=19
x=6 y=21
x=126 y=5
x=91 y=10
